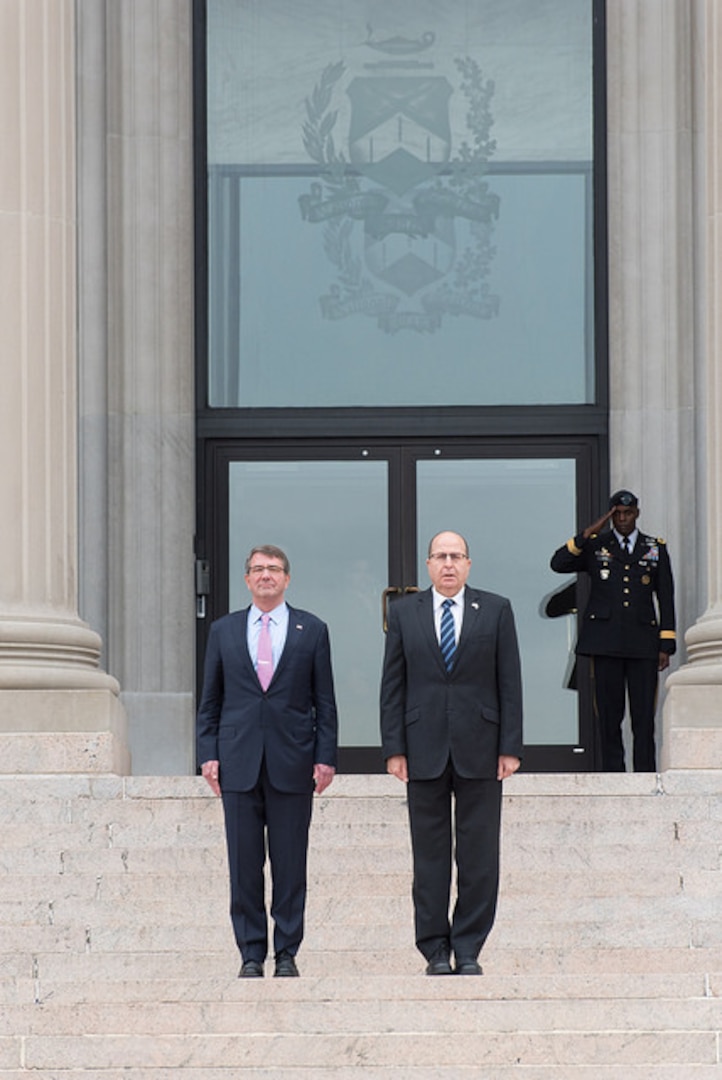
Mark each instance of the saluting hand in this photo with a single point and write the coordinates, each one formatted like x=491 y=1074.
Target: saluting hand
x=598 y=525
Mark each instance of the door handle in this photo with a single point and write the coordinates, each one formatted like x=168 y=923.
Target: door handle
x=392 y=590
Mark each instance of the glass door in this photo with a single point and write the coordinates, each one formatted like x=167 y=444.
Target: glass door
x=514 y=511
x=333 y=510
x=331 y=518
x=355 y=522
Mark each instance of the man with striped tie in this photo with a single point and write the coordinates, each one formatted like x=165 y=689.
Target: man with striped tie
x=451 y=729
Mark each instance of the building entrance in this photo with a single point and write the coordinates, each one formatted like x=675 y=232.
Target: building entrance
x=355 y=519
x=401 y=319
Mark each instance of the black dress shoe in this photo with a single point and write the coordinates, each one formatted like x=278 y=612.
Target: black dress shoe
x=439 y=963
x=286 y=966
x=468 y=965
x=251 y=969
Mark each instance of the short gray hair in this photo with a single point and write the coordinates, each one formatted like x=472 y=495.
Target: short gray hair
x=273 y=552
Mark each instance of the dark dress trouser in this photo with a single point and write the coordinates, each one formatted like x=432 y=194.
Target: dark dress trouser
x=477 y=817
x=285 y=819
x=614 y=677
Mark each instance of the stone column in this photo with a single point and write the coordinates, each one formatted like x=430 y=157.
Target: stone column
x=652 y=289
x=58 y=711
x=693 y=709
x=150 y=376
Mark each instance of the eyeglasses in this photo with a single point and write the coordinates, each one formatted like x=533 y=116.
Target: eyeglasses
x=442 y=556
x=272 y=569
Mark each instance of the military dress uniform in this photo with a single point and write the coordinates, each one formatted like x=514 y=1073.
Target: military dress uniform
x=629 y=619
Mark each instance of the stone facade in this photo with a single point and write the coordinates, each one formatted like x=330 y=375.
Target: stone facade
x=96 y=415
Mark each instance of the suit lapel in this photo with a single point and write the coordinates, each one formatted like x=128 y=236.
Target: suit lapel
x=425 y=610
x=240 y=633
x=294 y=634
x=472 y=613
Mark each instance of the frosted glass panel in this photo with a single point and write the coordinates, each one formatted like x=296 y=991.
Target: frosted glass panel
x=266 y=57
x=330 y=517
x=396 y=188
x=513 y=513
x=277 y=312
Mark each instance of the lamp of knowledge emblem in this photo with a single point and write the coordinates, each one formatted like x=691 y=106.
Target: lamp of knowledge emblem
x=407 y=219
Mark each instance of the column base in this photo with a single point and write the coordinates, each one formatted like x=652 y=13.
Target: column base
x=63 y=731
x=692 y=718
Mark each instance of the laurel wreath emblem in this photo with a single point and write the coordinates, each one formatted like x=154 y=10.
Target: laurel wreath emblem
x=321 y=120
x=468 y=292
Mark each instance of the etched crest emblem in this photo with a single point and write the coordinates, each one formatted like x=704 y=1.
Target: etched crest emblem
x=407 y=217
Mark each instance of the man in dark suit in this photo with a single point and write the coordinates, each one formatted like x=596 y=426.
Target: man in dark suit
x=628 y=626
x=267 y=737
x=451 y=728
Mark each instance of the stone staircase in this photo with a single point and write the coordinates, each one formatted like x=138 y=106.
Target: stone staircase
x=117 y=958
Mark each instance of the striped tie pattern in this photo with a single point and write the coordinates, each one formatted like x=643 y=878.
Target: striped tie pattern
x=447 y=639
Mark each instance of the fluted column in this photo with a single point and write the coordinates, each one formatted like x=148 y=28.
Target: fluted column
x=58 y=710
x=693 y=710
x=654 y=297
x=150 y=376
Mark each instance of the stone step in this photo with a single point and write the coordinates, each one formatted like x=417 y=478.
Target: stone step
x=140 y=981
x=384 y=1072
x=47 y=969
x=50 y=972
x=530 y=938
x=106 y=816
x=45 y=899
x=486 y=1050
x=669 y=916
x=117 y=959
x=363 y=1071
x=252 y=1012
x=52 y=921
x=388 y=949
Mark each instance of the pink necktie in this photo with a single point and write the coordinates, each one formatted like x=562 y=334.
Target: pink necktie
x=265 y=654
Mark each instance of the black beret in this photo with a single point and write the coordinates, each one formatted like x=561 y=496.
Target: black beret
x=623 y=498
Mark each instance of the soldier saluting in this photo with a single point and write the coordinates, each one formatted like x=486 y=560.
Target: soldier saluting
x=628 y=626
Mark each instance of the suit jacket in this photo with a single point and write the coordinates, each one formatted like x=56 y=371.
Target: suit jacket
x=472 y=714
x=622 y=616
x=293 y=725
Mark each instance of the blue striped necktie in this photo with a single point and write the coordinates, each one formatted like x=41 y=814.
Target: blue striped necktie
x=447 y=639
